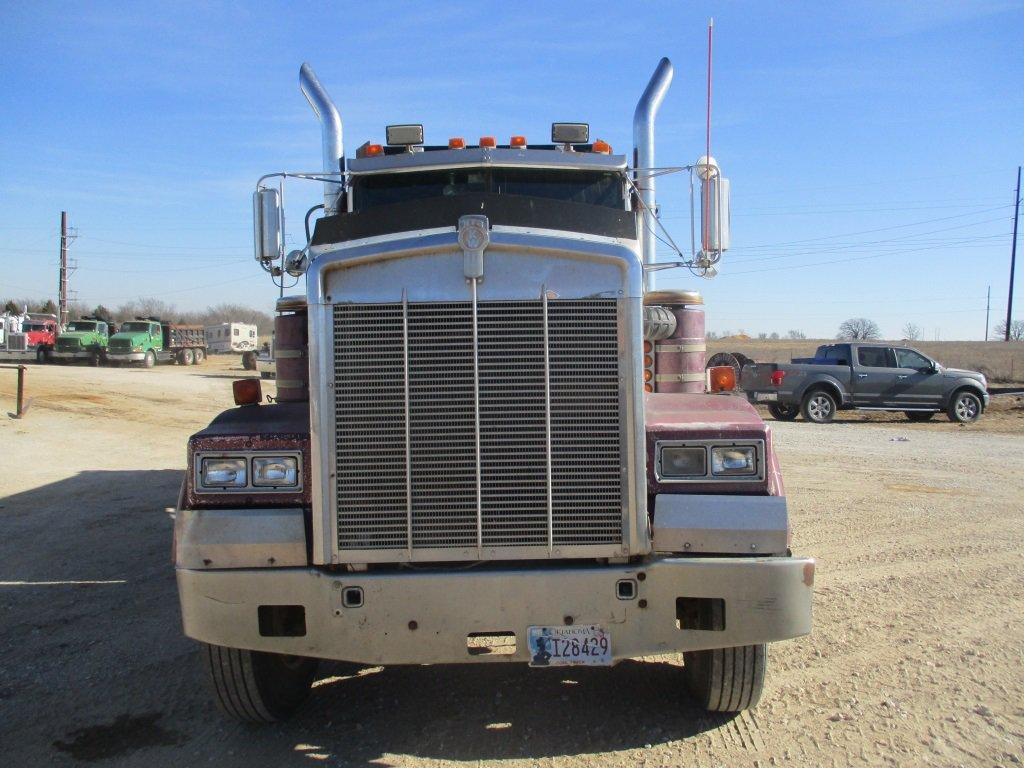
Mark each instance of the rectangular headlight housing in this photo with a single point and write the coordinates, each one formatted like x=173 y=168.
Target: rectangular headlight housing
x=683 y=461
x=570 y=133
x=229 y=472
x=733 y=460
x=275 y=471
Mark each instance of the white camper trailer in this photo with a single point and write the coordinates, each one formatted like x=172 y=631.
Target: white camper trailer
x=231 y=337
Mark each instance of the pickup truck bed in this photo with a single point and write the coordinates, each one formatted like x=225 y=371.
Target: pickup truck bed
x=869 y=376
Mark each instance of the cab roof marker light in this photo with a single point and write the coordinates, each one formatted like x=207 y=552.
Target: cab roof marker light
x=601 y=147
x=488 y=141
x=369 y=150
x=456 y=142
x=517 y=142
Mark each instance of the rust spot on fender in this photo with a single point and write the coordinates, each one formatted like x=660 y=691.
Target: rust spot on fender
x=809 y=574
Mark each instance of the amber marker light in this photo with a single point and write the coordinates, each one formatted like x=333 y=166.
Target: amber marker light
x=518 y=141
x=722 y=378
x=247 y=391
x=456 y=142
x=602 y=147
x=373 y=150
x=648 y=347
x=648 y=375
x=648 y=388
x=488 y=141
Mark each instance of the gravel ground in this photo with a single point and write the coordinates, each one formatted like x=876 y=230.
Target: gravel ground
x=915 y=658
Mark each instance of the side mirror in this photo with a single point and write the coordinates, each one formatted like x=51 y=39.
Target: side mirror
x=268 y=224
x=714 y=213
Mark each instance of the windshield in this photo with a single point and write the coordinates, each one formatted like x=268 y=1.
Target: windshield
x=603 y=188
x=135 y=328
x=80 y=326
x=33 y=327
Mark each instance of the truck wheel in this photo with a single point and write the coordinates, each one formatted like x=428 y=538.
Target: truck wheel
x=919 y=415
x=819 y=406
x=42 y=355
x=726 y=679
x=964 y=408
x=150 y=359
x=187 y=357
x=94 y=359
x=200 y=355
x=784 y=412
x=257 y=687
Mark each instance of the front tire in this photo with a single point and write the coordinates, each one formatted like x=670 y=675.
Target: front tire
x=964 y=408
x=257 y=687
x=784 y=412
x=149 y=360
x=819 y=406
x=43 y=356
x=726 y=679
x=919 y=415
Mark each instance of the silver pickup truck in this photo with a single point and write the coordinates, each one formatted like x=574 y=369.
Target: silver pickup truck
x=868 y=376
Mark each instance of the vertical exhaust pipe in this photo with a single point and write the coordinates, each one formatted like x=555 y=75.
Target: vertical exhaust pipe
x=643 y=157
x=330 y=127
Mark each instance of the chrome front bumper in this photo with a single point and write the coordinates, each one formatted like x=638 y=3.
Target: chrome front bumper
x=82 y=354
x=126 y=357
x=424 y=617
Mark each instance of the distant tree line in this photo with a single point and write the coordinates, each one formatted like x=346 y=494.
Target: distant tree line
x=142 y=307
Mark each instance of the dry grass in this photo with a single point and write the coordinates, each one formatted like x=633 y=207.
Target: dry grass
x=1000 y=361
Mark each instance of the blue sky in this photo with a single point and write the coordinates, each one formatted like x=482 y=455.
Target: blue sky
x=872 y=147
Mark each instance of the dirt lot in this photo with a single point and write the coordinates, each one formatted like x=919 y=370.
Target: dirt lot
x=917 y=656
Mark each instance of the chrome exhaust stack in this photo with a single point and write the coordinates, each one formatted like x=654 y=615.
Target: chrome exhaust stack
x=330 y=126
x=643 y=157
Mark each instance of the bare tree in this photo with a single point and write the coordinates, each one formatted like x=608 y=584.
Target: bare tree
x=763 y=336
x=796 y=335
x=911 y=332
x=774 y=336
x=859 y=329
x=1016 y=330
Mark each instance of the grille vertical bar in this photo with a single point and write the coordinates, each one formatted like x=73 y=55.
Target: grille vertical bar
x=478 y=426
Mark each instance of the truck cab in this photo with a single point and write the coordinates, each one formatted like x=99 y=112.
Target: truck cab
x=467 y=460
x=84 y=339
x=137 y=341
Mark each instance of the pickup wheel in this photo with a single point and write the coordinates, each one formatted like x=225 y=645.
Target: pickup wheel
x=726 y=679
x=257 y=687
x=965 y=407
x=150 y=359
x=919 y=415
x=819 y=406
x=784 y=412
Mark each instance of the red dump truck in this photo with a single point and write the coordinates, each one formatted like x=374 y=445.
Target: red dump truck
x=486 y=445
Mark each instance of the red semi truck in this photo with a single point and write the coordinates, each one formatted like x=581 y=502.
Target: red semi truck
x=27 y=336
x=472 y=456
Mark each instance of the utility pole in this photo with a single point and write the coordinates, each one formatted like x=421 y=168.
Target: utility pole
x=988 y=307
x=1013 y=258
x=62 y=292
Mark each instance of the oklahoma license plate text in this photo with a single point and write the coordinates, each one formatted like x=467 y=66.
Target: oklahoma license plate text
x=564 y=646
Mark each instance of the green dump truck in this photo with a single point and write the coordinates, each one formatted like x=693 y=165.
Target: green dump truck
x=84 y=339
x=149 y=340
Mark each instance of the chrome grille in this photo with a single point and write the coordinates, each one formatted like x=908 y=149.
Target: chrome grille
x=478 y=427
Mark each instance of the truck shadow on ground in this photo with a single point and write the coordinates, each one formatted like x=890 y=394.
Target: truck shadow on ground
x=490 y=712
x=91 y=615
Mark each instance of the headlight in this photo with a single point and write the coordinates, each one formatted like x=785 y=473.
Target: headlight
x=277 y=471
x=223 y=473
x=683 y=461
x=137 y=348
x=732 y=460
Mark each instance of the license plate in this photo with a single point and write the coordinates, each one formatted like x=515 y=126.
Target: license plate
x=764 y=397
x=567 y=646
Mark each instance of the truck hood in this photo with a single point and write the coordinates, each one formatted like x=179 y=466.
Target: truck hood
x=135 y=339
x=960 y=373
x=80 y=336
x=718 y=413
